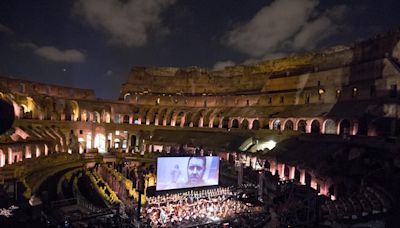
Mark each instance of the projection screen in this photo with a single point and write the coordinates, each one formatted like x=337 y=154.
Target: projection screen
x=187 y=172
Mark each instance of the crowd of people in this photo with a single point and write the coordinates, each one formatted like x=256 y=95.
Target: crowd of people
x=195 y=207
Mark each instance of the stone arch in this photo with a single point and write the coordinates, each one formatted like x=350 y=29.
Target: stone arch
x=179 y=118
x=289 y=125
x=100 y=142
x=344 y=127
x=276 y=124
x=125 y=119
x=72 y=110
x=48 y=109
x=197 y=117
x=225 y=122
x=188 y=120
x=85 y=116
x=142 y=115
x=168 y=117
x=127 y=96
x=215 y=121
x=207 y=118
x=133 y=141
x=330 y=126
x=161 y=116
x=107 y=117
x=245 y=124
x=256 y=125
x=302 y=126
x=315 y=127
x=235 y=123
x=152 y=116
x=96 y=117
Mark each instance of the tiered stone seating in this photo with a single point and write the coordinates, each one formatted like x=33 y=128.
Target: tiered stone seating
x=369 y=201
x=35 y=171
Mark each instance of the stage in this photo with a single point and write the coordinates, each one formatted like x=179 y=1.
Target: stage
x=193 y=208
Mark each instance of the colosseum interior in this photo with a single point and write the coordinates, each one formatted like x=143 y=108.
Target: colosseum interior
x=325 y=120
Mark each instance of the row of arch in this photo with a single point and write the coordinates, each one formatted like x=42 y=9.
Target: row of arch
x=71 y=110
x=316 y=125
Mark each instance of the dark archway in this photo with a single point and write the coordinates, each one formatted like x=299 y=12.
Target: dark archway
x=297 y=175
x=286 y=171
x=178 y=119
x=133 y=141
x=68 y=112
x=216 y=122
x=126 y=119
x=301 y=126
x=344 y=127
x=289 y=125
x=256 y=125
x=188 y=119
x=225 y=122
x=235 y=123
x=315 y=127
x=308 y=179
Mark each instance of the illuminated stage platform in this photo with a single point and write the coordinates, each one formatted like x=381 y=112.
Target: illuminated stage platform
x=194 y=208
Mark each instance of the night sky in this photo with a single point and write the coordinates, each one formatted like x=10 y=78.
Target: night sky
x=94 y=43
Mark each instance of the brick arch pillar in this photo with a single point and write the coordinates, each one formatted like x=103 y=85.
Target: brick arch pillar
x=354 y=127
x=183 y=119
x=302 y=176
x=308 y=125
x=201 y=121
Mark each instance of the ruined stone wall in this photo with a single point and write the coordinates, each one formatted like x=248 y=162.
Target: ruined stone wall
x=36 y=88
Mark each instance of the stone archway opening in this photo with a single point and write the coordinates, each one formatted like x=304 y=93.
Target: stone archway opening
x=315 y=127
x=225 y=122
x=276 y=125
x=100 y=142
x=96 y=117
x=344 y=127
x=302 y=126
x=133 y=141
x=256 y=125
x=235 y=123
x=289 y=125
x=215 y=123
x=125 y=119
x=330 y=126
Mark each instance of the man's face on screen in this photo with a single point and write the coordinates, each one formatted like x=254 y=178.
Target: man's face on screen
x=196 y=169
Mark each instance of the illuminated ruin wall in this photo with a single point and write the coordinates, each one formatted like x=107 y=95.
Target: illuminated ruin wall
x=327 y=92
